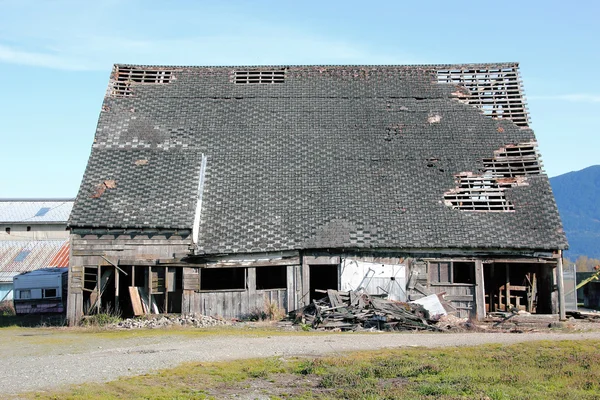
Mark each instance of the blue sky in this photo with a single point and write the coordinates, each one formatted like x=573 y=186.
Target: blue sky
x=56 y=57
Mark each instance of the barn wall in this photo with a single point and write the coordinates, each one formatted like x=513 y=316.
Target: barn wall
x=95 y=252
x=234 y=303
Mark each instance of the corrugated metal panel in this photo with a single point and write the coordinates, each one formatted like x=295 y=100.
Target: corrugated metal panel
x=35 y=211
x=61 y=259
x=41 y=254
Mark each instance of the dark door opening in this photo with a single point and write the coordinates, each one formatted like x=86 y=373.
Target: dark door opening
x=322 y=277
x=518 y=286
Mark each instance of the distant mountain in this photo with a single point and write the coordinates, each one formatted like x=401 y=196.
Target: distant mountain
x=578 y=198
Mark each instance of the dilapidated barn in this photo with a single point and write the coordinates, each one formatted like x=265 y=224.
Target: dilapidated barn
x=219 y=190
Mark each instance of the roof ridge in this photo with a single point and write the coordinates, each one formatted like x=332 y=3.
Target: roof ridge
x=323 y=65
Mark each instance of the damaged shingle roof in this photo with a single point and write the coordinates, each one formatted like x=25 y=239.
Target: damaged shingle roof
x=333 y=157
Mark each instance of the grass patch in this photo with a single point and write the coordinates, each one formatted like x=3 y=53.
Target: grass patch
x=533 y=370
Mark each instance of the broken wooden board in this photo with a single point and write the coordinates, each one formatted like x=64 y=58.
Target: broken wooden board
x=136 y=302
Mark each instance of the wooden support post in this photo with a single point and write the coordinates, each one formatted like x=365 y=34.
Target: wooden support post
x=166 y=291
x=251 y=280
x=561 y=288
x=99 y=287
x=117 y=273
x=290 y=288
x=133 y=275
x=305 y=297
x=479 y=290
x=149 y=282
x=494 y=287
x=507 y=288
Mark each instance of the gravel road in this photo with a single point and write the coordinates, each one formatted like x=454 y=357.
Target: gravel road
x=45 y=359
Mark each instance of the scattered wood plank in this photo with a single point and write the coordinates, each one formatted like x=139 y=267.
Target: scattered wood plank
x=359 y=310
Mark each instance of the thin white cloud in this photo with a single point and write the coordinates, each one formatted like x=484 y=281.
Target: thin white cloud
x=573 y=97
x=37 y=59
x=96 y=52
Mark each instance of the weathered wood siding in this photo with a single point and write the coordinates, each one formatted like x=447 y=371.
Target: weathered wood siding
x=232 y=303
x=88 y=251
x=461 y=296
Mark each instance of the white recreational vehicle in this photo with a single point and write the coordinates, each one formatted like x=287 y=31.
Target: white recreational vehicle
x=41 y=291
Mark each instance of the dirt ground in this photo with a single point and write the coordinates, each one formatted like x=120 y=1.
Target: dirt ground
x=48 y=358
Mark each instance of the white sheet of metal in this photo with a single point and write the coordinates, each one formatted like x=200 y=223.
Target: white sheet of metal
x=374 y=278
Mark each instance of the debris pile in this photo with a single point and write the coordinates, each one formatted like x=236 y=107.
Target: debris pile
x=358 y=310
x=197 y=321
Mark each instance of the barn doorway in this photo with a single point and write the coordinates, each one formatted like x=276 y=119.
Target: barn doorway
x=516 y=286
x=323 y=277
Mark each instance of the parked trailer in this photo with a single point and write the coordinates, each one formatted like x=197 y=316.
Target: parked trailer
x=41 y=291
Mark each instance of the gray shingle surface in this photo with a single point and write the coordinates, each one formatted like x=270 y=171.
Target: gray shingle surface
x=334 y=157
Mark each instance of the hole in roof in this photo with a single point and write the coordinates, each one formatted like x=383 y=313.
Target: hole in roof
x=496 y=91
x=486 y=192
x=259 y=76
x=477 y=193
x=514 y=160
x=42 y=211
x=22 y=255
x=126 y=76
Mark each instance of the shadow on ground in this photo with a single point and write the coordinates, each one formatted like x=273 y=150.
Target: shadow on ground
x=32 y=321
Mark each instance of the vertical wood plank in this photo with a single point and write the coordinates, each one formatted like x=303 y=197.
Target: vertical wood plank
x=305 y=296
x=290 y=289
x=166 y=291
x=98 y=288
x=507 y=287
x=561 y=288
x=479 y=290
x=149 y=282
x=251 y=280
x=117 y=276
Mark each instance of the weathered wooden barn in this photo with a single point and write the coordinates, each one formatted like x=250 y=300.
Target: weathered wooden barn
x=219 y=190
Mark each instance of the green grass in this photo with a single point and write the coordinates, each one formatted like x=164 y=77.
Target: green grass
x=534 y=370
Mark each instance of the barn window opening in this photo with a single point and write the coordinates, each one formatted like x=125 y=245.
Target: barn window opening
x=28 y=229
x=271 y=277
x=496 y=91
x=7 y=230
x=259 y=76
x=126 y=76
x=450 y=272
x=222 y=278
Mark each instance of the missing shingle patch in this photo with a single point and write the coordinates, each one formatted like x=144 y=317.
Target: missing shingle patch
x=259 y=76
x=496 y=91
x=514 y=160
x=100 y=188
x=477 y=193
x=509 y=167
x=125 y=77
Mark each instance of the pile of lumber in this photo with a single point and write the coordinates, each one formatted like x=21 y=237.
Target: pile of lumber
x=359 y=310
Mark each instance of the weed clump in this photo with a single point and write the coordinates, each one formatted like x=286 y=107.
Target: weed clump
x=271 y=311
x=103 y=318
x=7 y=309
